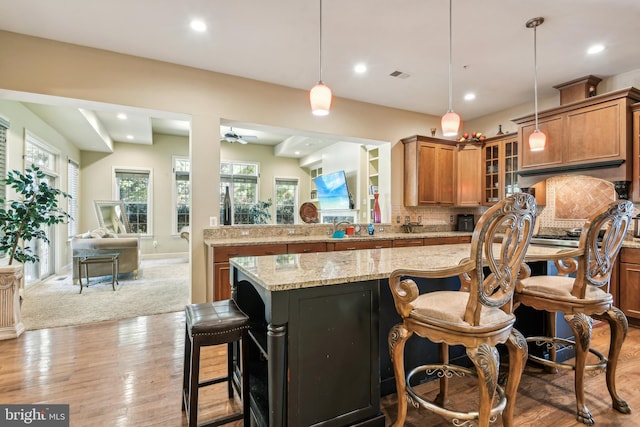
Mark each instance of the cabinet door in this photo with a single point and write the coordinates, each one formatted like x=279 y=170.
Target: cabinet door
x=222 y=288
x=594 y=133
x=446 y=175
x=469 y=176
x=492 y=170
x=427 y=174
x=629 y=289
x=551 y=156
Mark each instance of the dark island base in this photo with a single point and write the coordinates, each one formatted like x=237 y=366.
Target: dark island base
x=319 y=356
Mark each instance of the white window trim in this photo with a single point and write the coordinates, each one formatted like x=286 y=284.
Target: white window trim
x=32 y=138
x=150 y=207
x=174 y=195
x=77 y=198
x=296 y=201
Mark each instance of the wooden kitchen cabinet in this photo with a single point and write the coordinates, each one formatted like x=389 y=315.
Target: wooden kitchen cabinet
x=305 y=248
x=403 y=243
x=635 y=183
x=500 y=164
x=593 y=134
x=629 y=284
x=429 y=171
x=446 y=240
x=221 y=254
x=469 y=175
x=345 y=245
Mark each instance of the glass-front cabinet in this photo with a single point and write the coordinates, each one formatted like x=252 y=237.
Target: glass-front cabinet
x=500 y=161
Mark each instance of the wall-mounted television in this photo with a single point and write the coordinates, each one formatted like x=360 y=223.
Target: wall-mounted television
x=333 y=192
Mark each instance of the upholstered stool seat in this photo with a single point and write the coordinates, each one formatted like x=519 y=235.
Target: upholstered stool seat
x=219 y=322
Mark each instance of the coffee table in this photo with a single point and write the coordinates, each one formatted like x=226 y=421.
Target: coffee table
x=84 y=259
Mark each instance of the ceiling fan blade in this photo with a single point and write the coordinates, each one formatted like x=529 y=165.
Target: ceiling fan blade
x=248 y=137
x=242 y=141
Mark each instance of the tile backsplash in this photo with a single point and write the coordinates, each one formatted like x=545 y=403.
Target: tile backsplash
x=570 y=201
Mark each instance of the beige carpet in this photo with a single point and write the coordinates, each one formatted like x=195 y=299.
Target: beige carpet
x=163 y=286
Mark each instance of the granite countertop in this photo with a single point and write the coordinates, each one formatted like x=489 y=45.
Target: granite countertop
x=300 y=238
x=632 y=244
x=295 y=271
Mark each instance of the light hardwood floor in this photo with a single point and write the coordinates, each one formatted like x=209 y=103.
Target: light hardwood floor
x=129 y=373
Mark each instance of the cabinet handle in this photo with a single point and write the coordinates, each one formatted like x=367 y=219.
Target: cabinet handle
x=306 y=250
x=350 y=249
x=379 y=247
x=270 y=252
x=234 y=254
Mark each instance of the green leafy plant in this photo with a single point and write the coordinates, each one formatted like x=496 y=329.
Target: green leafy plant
x=260 y=212
x=23 y=220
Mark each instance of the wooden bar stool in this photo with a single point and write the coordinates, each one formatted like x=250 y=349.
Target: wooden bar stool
x=208 y=324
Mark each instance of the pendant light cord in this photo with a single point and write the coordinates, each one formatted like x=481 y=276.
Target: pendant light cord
x=535 y=73
x=450 y=59
x=320 y=42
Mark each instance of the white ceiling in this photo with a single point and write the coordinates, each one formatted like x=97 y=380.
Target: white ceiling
x=277 y=41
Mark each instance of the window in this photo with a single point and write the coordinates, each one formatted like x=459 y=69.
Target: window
x=39 y=153
x=182 y=188
x=73 y=181
x=133 y=188
x=286 y=200
x=242 y=180
x=4 y=125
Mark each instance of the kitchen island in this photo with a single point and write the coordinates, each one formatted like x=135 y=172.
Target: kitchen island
x=319 y=327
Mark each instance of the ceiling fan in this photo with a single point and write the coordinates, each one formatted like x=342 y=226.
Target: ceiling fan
x=232 y=137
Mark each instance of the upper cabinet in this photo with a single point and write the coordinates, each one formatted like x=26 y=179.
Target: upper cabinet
x=594 y=134
x=441 y=172
x=635 y=183
x=429 y=171
x=500 y=164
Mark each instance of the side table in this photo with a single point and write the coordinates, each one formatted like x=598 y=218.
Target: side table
x=85 y=259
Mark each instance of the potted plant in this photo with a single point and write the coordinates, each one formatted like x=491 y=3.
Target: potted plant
x=23 y=221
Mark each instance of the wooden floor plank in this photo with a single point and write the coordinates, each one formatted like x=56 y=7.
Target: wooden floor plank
x=129 y=373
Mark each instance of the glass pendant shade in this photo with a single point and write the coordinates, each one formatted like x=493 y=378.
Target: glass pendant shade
x=320 y=99
x=537 y=141
x=450 y=124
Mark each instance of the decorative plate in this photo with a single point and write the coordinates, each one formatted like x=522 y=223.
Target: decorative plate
x=309 y=212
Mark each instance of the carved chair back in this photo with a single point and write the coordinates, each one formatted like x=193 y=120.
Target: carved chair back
x=595 y=265
x=500 y=241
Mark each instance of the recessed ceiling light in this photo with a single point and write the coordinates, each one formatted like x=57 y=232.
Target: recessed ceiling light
x=122 y=116
x=470 y=96
x=199 y=26
x=360 y=68
x=129 y=136
x=296 y=153
x=596 y=48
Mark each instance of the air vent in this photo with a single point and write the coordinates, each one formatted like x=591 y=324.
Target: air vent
x=400 y=75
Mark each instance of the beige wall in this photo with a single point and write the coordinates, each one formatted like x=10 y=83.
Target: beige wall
x=97 y=176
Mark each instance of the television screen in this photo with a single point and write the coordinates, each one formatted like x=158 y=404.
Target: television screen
x=332 y=191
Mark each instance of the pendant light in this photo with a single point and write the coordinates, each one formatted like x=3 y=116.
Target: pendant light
x=450 y=121
x=537 y=140
x=320 y=94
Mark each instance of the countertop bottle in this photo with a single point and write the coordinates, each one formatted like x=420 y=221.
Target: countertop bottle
x=226 y=215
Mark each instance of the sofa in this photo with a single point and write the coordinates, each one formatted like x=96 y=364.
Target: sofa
x=127 y=246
